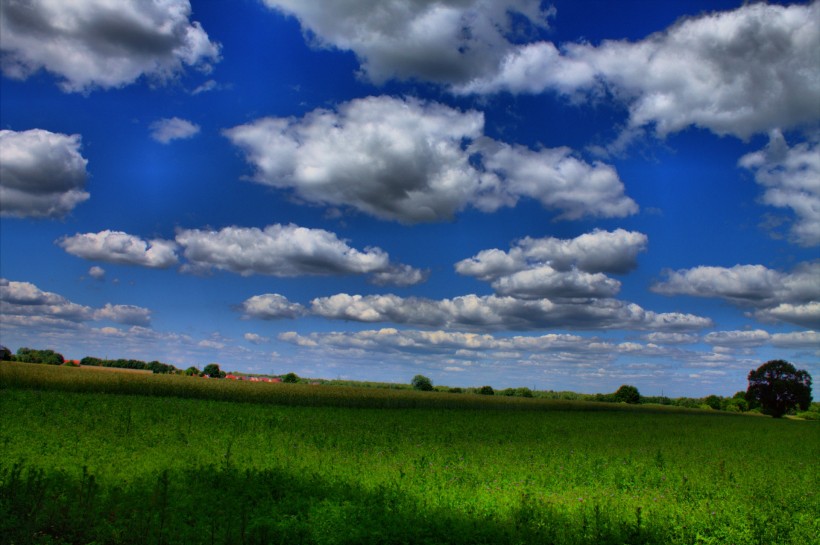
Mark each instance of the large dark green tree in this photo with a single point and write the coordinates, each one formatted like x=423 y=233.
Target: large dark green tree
x=420 y=382
x=627 y=394
x=777 y=387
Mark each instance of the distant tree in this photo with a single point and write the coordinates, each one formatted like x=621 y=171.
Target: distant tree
x=290 y=378
x=5 y=353
x=523 y=392
x=213 y=370
x=627 y=394
x=30 y=355
x=777 y=387
x=88 y=360
x=456 y=390
x=420 y=382
x=486 y=391
x=713 y=401
x=192 y=372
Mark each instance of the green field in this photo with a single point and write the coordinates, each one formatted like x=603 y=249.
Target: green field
x=82 y=463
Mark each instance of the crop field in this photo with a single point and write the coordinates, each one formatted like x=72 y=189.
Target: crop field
x=82 y=463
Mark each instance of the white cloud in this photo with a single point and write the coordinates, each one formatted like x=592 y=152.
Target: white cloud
x=118 y=247
x=806 y=315
x=739 y=72
x=414 y=161
x=25 y=305
x=671 y=338
x=174 y=128
x=501 y=313
x=546 y=282
x=755 y=337
x=255 y=338
x=596 y=252
x=745 y=284
x=124 y=314
x=270 y=306
x=808 y=339
x=789 y=297
x=42 y=173
x=288 y=250
x=97 y=273
x=100 y=43
x=791 y=177
x=447 y=41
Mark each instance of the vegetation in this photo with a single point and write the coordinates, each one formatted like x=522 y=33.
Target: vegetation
x=87 y=466
x=777 y=387
x=290 y=378
x=627 y=394
x=422 y=383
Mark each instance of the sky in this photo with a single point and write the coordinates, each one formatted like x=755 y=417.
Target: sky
x=567 y=195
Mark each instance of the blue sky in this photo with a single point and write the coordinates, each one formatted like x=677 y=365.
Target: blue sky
x=567 y=195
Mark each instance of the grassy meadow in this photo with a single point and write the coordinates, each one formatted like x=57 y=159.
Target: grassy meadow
x=185 y=460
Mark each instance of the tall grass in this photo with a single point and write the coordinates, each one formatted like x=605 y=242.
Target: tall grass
x=83 y=467
x=89 y=379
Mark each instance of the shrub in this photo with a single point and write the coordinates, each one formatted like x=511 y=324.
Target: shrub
x=627 y=394
x=486 y=391
x=290 y=378
x=420 y=382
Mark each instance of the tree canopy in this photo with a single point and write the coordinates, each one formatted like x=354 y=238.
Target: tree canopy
x=420 y=382
x=777 y=387
x=627 y=394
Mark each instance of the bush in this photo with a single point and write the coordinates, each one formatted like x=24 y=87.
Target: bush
x=627 y=394
x=420 y=382
x=290 y=378
x=486 y=391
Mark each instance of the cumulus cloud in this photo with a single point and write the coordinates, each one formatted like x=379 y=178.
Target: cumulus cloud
x=118 y=247
x=42 y=173
x=271 y=306
x=738 y=72
x=124 y=314
x=448 y=41
x=791 y=178
x=596 y=252
x=501 y=313
x=288 y=250
x=755 y=337
x=546 y=282
x=97 y=273
x=255 y=338
x=174 y=128
x=96 y=43
x=797 y=339
x=24 y=304
x=806 y=315
x=412 y=161
x=558 y=268
x=792 y=297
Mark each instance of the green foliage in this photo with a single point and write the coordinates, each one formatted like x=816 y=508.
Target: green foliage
x=713 y=402
x=30 y=355
x=627 y=394
x=422 y=383
x=777 y=387
x=5 y=354
x=315 y=475
x=486 y=391
x=212 y=370
x=192 y=372
x=290 y=378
